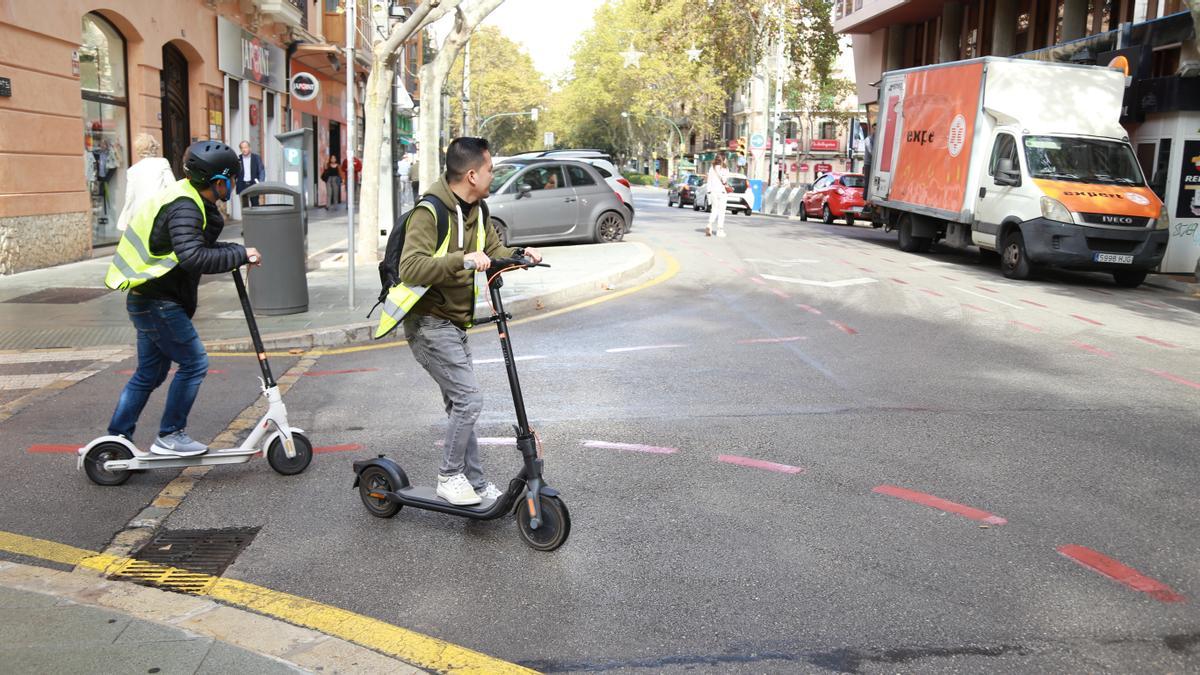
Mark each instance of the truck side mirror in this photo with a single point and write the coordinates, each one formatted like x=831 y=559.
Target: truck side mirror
x=1006 y=174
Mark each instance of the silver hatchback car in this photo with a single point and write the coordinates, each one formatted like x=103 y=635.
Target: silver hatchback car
x=554 y=200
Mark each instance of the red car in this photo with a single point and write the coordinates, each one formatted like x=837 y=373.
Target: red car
x=834 y=195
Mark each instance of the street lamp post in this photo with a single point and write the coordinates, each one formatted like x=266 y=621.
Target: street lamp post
x=679 y=148
x=533 y=114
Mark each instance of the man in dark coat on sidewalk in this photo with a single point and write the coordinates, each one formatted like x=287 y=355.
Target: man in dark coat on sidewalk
x=250 y=171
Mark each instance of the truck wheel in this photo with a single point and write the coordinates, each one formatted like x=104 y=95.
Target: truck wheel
x=1014 y=259
x=910 y=243
x=1129 y=278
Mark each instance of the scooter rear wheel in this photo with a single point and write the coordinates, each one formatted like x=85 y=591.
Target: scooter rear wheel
x=93 y=464
x=555 y=526
x=375 y=480
x=290 y=466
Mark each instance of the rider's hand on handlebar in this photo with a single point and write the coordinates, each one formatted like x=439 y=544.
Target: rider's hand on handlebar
x=533 y=254
x=253 y=256
x=480 y=259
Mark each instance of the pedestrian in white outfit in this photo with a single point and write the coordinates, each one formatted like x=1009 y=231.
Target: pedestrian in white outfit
x=716 y=187
x=146 y=178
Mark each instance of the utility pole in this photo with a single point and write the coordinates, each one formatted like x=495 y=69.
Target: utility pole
x=774 y=128
x=466 y=89
x=351 y=34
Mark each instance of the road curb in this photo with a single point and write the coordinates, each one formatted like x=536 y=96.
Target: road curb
x=301 y=648
x=364 y=332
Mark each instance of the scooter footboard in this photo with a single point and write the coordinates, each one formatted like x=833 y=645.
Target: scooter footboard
x=399 y=479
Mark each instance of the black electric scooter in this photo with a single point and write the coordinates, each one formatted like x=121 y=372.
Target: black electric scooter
x=542 y=517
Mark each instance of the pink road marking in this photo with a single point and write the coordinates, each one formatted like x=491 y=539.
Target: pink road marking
x=347 y=447
x=933 y=293
x=846 y=262
x=843 y=327
x=887 y=259
x=1122 y=574
x=809 y=309
x=708 y=253
x=347 y=371
x=64 y=449
x=975 y=307
x=940 y=504
x=985 y=288
x=1157 y=305
x=948 y=277
x=1173 y=378
x=771 y=340
x=867 y=270
x=1101 y=292
x=780 y=293
x=653 y=449
x=1087 y=320
x=1091 y=349
x=1026 y=326
x=1160 y=343
x=759 y=464
x=131 y=371
x=1035 y=304
x=758 y=280
x=900 y=281
x=739 y=270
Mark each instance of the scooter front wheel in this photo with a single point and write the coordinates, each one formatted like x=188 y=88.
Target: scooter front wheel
x=555 y=526
x=290 y=466
x=375 y=481
x=93 y=464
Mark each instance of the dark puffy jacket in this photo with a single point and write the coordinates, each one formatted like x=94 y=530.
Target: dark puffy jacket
x=179 y=227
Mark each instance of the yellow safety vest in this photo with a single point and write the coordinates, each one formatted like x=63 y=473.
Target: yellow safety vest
x=401 y=298
x=133 y=264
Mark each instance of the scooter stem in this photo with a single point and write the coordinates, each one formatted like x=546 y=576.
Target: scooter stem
x=510 y=364
x=268 y=379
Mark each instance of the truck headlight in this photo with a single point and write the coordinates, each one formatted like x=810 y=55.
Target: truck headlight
x=1052 y=209
x=1164 y=219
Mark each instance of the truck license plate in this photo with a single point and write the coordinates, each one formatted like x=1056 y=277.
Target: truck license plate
x=1113 y=258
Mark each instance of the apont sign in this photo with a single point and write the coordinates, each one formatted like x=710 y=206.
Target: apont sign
x=305 y=86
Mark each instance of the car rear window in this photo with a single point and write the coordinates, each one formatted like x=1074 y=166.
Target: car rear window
x=579 y=176
x=738 y=184
x=695 y=179
x=854 y=181
x=603 y=172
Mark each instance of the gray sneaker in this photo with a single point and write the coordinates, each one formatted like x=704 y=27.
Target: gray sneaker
x=178 y=444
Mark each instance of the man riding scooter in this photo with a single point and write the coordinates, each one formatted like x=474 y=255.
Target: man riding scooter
x=169 y=243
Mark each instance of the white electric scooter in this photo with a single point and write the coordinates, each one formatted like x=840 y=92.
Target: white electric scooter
x=109 y=460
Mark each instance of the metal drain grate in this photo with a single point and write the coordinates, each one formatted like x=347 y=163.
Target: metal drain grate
x=203 y=551
x=59 y=296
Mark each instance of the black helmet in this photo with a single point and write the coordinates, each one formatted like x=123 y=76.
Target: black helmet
x=206 y=161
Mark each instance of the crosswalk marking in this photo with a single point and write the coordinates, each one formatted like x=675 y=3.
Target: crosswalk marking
x=15 y=382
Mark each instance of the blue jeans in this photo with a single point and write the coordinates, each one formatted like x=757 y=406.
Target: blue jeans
x=164 y=334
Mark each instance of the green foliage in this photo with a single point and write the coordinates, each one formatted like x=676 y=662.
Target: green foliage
x=503 y=79
x=639 y=179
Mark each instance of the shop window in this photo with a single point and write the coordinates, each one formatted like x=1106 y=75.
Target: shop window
x=102 y=81
x=1166 y=62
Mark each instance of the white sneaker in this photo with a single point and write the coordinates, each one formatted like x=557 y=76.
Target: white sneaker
x=178 y=444
x=721 y=233
x=489 y=491
x=457 y=490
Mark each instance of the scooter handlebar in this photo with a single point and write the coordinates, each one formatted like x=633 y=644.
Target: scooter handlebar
x=501 y=263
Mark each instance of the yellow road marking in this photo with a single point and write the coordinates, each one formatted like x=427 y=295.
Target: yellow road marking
x=672 y=270
x=415 y=648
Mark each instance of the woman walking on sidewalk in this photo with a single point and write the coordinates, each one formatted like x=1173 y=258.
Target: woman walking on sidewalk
x=333 y=182
x=716 y=189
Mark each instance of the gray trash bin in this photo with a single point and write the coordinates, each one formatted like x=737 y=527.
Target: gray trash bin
x=280 y=284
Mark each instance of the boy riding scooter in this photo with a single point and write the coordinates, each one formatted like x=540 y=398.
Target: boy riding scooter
x=170 y=242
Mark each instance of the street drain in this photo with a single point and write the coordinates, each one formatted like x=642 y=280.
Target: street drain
x=59 y=296
x=187 y=560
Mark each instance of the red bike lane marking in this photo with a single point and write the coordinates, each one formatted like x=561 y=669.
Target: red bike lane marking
x=977 y=308
x=900 y=281
x=1035 y=304
x=843 y=327
x=347 y=447
x=633 y=447
x=1160 y=343
x=1026 y=326
x=932 y=292
x=1087 y=320
x=940 y=504
x=1122 y=574
x=809 y=309
x=780 y=293
x=1091 y=349
x=39 y=448
x=1174 y=378
x=759 y=464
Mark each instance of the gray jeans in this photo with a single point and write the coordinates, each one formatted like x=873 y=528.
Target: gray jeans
x=442 y=350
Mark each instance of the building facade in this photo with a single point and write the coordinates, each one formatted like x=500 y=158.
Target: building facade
x=78 y=84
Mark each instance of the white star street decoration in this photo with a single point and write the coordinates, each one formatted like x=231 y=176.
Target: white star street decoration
x=693 y=53
x=632 y=56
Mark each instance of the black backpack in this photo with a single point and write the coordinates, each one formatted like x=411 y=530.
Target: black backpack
x=389 y=267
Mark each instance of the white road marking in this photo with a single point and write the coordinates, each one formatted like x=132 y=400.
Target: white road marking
x=17 y=382
x=48 y=356
x=986 y=297
x=840 y=283
x=519 y=358
x=642 y=348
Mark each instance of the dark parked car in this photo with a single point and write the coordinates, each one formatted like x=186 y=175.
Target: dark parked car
x=683 y=190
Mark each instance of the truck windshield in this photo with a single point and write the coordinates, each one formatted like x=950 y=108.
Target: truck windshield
x=1082 y=160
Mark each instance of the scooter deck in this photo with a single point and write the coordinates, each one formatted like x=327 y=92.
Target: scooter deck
x=146 y=460
x=421 y=493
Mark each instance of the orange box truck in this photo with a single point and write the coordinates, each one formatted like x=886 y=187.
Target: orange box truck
x=1025 y=159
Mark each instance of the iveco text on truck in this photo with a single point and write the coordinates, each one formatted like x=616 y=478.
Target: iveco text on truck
x=1023 y=158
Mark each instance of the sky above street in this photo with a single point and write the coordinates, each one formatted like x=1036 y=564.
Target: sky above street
x=547 y=29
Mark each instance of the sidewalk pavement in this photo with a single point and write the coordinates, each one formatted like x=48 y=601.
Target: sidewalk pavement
x=53 y=621
x=73 y=309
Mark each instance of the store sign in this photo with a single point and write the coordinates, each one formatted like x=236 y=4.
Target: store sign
x=823 y=145
x=804 y=167
x=823 y=168
x=305 y=86
x=245 y=55
x=733 y=145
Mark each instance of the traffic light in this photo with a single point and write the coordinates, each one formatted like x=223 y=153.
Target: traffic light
x=741 y=148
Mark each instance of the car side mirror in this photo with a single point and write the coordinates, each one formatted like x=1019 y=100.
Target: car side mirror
x=523 y=190
x=1006 y=174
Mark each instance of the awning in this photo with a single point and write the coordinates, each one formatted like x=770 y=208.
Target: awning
x=323 y=57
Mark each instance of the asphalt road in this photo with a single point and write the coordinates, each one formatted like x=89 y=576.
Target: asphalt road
x=750 y=451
